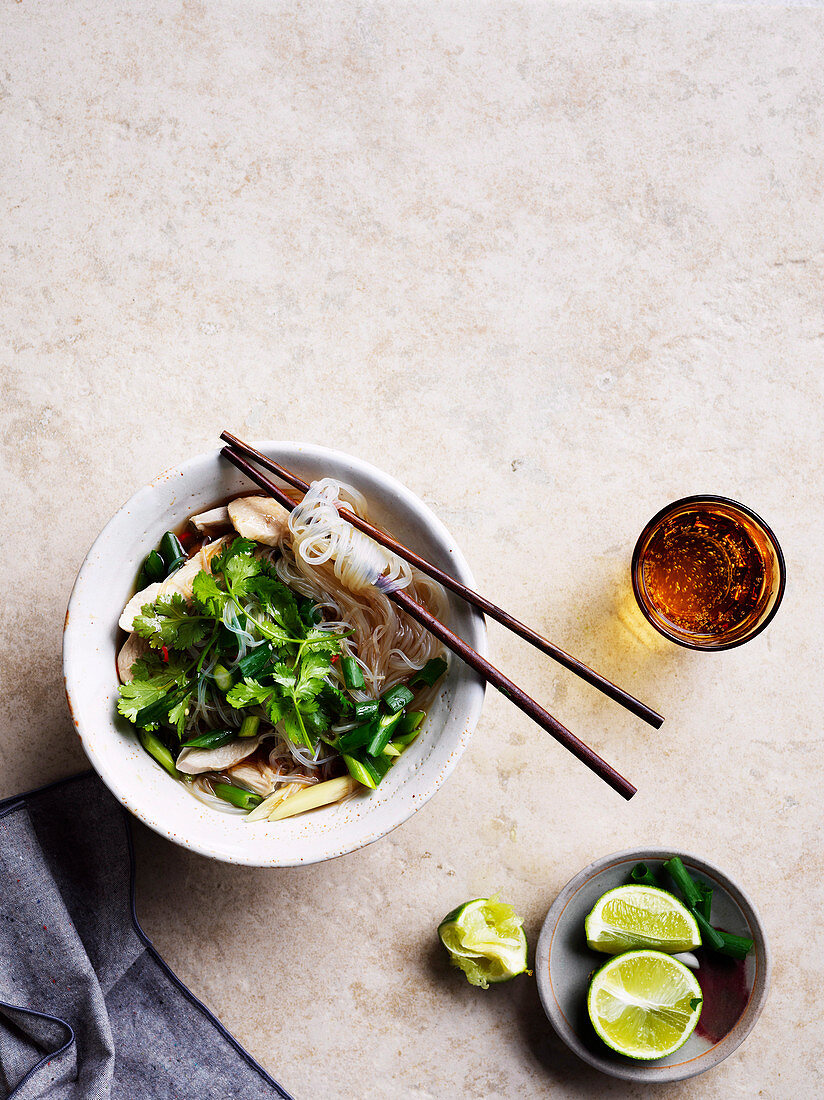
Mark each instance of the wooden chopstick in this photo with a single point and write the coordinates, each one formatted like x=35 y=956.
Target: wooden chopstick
x=474 y=659
x=635 y=706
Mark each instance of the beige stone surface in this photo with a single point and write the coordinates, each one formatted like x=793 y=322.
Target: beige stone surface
x=551 y=265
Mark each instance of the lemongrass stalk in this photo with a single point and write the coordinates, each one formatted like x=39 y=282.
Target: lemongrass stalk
x=261 y=812
x=311 y=798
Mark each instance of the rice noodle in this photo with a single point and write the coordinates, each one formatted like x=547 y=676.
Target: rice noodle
x=349 y=574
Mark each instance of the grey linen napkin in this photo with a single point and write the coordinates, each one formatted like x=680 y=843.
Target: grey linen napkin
x=88 y=1009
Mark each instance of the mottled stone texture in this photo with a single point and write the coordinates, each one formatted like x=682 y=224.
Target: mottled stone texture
x=552 y=265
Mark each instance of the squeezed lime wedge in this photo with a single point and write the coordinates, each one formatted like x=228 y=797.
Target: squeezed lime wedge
x=485 y=939
x=644 y=1004
x=636 y=916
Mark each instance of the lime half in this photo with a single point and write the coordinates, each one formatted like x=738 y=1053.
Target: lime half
x=644 y=1004
x=485 y=939
x=641 y=916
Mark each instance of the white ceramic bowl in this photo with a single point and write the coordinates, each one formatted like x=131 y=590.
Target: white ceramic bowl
x=104 y=584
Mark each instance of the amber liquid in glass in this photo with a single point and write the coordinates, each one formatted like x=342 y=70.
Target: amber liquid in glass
x=707 y=572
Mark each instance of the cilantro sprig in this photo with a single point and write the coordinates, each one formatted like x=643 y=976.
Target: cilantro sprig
x=241 y=593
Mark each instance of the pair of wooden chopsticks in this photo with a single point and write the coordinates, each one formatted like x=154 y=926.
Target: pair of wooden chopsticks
x=239 y=454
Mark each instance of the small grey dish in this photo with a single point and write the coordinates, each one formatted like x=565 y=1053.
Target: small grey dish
x=563 y=964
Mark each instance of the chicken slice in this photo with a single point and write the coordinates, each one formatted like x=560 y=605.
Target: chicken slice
x=259 y=518
x=132 y=648
x=196 y=761
x=215 y=517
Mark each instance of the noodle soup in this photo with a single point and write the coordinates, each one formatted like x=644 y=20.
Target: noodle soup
x=263 y=664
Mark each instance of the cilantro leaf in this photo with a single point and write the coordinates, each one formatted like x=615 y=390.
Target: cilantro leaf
x=276 y=708
x=208 y=596
x=237 y=564
x=145 y=690
x=310 y=682
x=294 y=730
x=248 y=694
x=322 y=641
x=177 y=715
x=169 y=622
x=338 y=701
x=276 y=599
x=283 y=674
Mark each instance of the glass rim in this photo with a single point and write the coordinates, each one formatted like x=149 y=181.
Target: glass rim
x=697 y=498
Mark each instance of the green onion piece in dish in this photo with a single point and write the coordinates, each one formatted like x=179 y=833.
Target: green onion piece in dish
x=737 y=947
x=383 y=734
x=360 y=772
x=249 y=726
x=392 y=750
x=411 y=721
x=642 y=874
x=253 y=664
x=380 y=765
x=172 y=551
x=405 y=739
x=684 y=881
x=211 y=739
x=222 y=677
x=709 y=936
x=431 y=671
x=355 y=739
x=352 y=675
x=705 y=908
x=367 y=710
x=155 y=748
x=244 y=800
x=396 y=698
x=154 y=569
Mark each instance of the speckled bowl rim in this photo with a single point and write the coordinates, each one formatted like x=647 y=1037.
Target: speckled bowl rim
x=413 y=790
x=648 y=1073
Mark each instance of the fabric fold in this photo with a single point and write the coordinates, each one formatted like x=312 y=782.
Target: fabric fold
x=88 y=1009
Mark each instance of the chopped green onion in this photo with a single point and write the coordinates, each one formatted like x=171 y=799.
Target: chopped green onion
x=360 y=772
x=352 y=675
x=641 y=874
x=709 y=936
x=155 y=748
x=253 y=664
x=222 y=677
x=153 y=569
x=396 y=698
x=172 y=552
x=431 y=671
x=684 y=881
x=383 y=734
x=356 y=738
x=244 y=800
x=366 y=710
x=737 y=947
x=705 y=907
x=391 y=750
x=405 y=739
x=411 y=721
x=211 y=739
x=249 y=726
x=379 y=764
